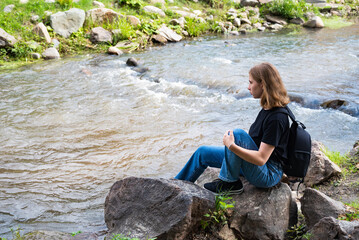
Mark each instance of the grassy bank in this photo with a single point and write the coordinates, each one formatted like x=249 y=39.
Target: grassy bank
x=214 y=14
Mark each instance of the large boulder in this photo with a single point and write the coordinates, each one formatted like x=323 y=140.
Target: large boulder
x=161 y=208
x=276 y=19
x=6 y=39
x=169 y=34
x=41 y=30
x=249 y=3
x=320 y=168
x=331 y=228
x=315 y=205
x=100 y=35
x=51 y=53
x=65 y=23
x=262 y=214
x=101 y=15
x=314 y=22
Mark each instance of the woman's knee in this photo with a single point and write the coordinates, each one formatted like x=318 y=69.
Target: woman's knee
x=238 y=133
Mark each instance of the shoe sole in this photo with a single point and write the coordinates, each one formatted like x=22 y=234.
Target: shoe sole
x=231 y=192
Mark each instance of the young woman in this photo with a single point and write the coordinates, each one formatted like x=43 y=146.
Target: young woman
x=255 y=155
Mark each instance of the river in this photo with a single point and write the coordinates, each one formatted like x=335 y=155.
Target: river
x=72 y=127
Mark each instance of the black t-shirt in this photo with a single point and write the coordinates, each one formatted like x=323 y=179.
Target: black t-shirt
x=272 y=127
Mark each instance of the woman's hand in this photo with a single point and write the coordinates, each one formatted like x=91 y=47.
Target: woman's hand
x=228 y=138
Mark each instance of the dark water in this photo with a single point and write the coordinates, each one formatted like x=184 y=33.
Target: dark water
x=71 y=128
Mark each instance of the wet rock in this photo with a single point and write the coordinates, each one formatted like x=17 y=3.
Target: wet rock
x=297 y=20
x=147 y=208
x=134 y=21
x=153 y=9
x=316 y=205
x=159 y=39
x=335 y=104
x=114 y=51
x=41 y=30
x=51 y=53
x=102 y=15
x=314 y=22
x=98 y=4
x=132 y=62
x=331 y=228
x=275 y=27
x=276 y=19
x=320 y=167
x=65 y=23
x=6 y=39
x=100 y=35
x=169 y=34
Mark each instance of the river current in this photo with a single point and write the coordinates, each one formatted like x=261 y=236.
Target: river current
x=72 y=127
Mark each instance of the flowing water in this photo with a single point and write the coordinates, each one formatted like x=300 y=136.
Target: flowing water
x=71 y=128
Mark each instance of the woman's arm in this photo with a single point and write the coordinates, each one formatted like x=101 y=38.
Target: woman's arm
x=259 y=157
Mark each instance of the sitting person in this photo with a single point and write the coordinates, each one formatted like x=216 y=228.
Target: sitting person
x=256 y=155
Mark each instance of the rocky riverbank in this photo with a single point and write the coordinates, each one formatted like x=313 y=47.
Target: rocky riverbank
x=52 y=29
x=148 y=208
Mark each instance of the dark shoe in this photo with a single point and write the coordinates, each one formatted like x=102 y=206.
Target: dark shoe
x=219 y=186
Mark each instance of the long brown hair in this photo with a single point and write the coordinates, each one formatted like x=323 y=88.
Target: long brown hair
x=274 y=92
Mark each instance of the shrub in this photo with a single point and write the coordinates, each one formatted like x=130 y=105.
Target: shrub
x=136 y=4
x=196 y=28
x=288 y=8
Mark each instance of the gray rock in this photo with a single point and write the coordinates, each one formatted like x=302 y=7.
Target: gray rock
x=6 y=39
x=55 y=43
x=35 y=55
x=331 y=228
x=157 y=38
x=246 y=21
x=114 y=51
x=153 y=9
x=169 y=34
x=147 y=208
x=134 y=21
x=65 y=23
x=41 y=30
x=297 y=20
x=51 y=53
x=316 y=1
x=316 y=205
x=34 y=18
x=24 y=1
x=132 y=62
x=249 y=3
x=320 y=167
x=235 y=33
x=262 y=214
x=9 y=8
x=275 y=27
x=276 y=19
x=315 y=22
x=102 y=15
x=98 y=4
x=185 y=14
x=334 y=104
x=100 y=35
x=237 y=22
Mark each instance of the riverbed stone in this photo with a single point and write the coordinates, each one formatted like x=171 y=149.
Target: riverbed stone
x=100 y=35
x=320 y=167
x=68 y=22
x=153 y=9
x=297 y=20
x=51 y=53
x=41 y=30
x=114 y=51
x=276 y=19
x=157 y=38
x=315 y=205
x=133 y=20
x=334 y=104
x=275 y=27
x=249 y=3
x=314 y=22
x=35 y=55
x=161 y=208
x=169 y=34
x=185 y=14
x=102 y=15
x=6 y=39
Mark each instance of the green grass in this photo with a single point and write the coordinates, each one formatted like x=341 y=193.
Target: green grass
x=336 y=22
x=288 y=8
x=342 y=160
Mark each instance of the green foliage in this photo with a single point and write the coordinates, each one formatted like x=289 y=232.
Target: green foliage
x=126 y=30
x=218 y=216
x=353 y=214
x=75 y=233
x=288 y=8
x=65 y=3
x=136 y=4
x=150 y=28
x=343 y=161
x=298 y=232
x=195 y=27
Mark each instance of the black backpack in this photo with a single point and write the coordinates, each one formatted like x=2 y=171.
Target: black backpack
x=298 y=149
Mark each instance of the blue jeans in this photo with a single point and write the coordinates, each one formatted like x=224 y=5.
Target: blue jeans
x=231 y=165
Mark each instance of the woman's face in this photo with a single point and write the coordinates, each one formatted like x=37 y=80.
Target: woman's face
x=255 y=88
